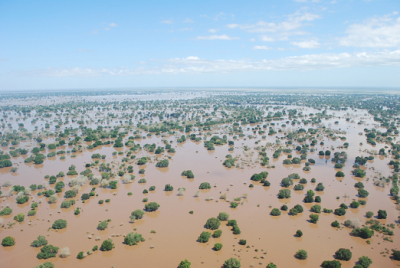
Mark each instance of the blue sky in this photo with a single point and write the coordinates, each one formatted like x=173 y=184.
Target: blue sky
x=122 y=44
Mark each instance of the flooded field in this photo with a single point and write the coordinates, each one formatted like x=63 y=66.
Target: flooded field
x=255 y=132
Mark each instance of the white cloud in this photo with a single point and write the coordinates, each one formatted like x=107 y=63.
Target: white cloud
x=82 y=50
x=188 y=21
x=167 y=21
x=262 y=47
x=267 y=39
x=379 y=32
x=294 y=22
x=113 y=24
x=212 y=30
x=217 y=37
x=186 y=29
x=195 y=65
x=252 y=39
x=307 y=44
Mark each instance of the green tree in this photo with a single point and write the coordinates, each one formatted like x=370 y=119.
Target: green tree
x=212 y=223
x=275 y=212
x=223 y=216
x=204 y=236
x=47 y=251
x=184 y=264
x=343 y=254
x=271 y=265
x=232 y=263
x=364 y=261
x=59 y=224
x=301 y=254
x=205 y=185
x=152 y=206
x=217 y=233
x=217 y=246
x=8 y=241
x=102 y=225
x=299 y=233
x=331 y=264
x=314 y=218
x=133 y=239
x=40 y=241
x=382 y=214
x=107 y=245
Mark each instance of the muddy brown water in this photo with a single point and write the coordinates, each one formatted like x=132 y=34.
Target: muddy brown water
x=270 y=239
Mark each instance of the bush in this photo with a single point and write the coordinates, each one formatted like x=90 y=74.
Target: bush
x=285 y=193
x=152 y=206
x=234 y=204
x=162 y=163
x=45 y=265
x=232 y=263
x=382 y=214
x=314 y=218
x=80 y=255
x=301 y=254
x=168 y=188
x=85 y=197
x=59 y=224
x=133 y=239
x=369 y=214
x=320 y=187
x=217 y=234
x=184 y=264
x=299 y=233
x=205 y=185
x=364 y=232
x=236 y=230
x=223 y=216
x=40 y=241
x=354 y=204
x=31 y=212
x=8 y=241
x=335 y=224
x=113 y=184
x=242 y=242
x=396 y=255
x=343 y=254
x=188 y=173
x=212 y=223
x=363 y=193
x=204 y=236
x=316 y=209
x=102 y=225
x=339 y=174
x=284 y=208
x=331 y=264
x=137 y=214
x=47 y=252
x=69 y=194
x=217 y=246
x=340 y=211
x=271 y=265
x=275 y=212
x=107 y=245
x=364 y=261
x=19 y=217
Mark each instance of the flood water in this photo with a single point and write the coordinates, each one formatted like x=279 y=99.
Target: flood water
x=269 y=238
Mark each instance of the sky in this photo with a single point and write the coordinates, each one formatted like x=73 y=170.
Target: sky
x=270 y=43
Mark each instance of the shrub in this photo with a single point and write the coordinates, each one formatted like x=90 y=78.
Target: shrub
x=59 y=224
x=184 y=264
x=354 y=204
x=275 y=212
x=133 y=239
x=284 y=208
x=340 y=211
x=188 y=173
x=364 y=232
x=271 y=265
x=217 y=246
x=362 y=193
x=364 y=261
x=102 y=225
x=45 y=265
x=234 y=204
x=168 y=188
x=396 y=255
x=40 y=241
x=335 y=224
x=369 y=214
x=299 y=233
x=316 y=209
x=217 y=233
x=331 y=264
x=80 y=255
x=320 y=187
x=205 y=185
x=107 y=245
x=152 y=206
x=113 y=184
x=212 y=223
x=285 y=193
x=314 y=218
x=162 y=163
x=85 y=197
x=64 y=252
x=301 y=254
x=69 y=194
x=223 y=216
x=8 y=241
x=343 y=254
x=232 y=263
x=298 y=187
x=204 y=236
x=31 y=212
x=19 y=217
x=382 y=214
x=47 y=251
x=242 y=242
x=65 y=204
x=137 y=214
